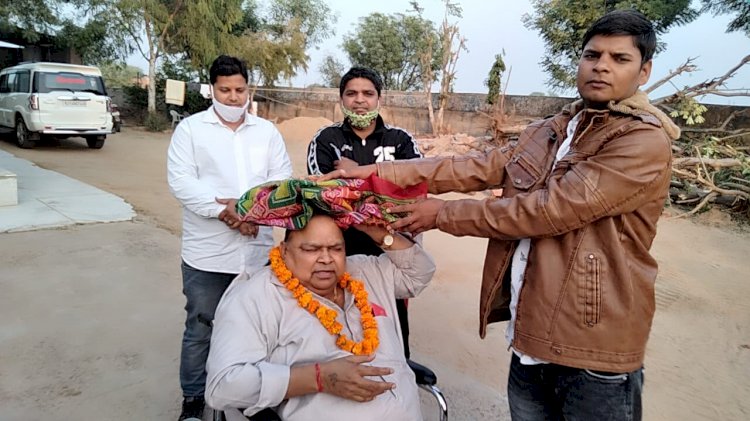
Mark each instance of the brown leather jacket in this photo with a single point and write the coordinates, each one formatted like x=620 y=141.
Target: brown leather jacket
x=588 y=295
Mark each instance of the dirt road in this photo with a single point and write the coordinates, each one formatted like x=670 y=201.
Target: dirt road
x=698 y=356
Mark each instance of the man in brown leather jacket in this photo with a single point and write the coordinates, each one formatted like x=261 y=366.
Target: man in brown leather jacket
x=568 y=259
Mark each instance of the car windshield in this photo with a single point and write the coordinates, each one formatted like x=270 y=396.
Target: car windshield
x=45 y=82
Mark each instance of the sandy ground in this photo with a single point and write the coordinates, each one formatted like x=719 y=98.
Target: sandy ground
x=696 y=366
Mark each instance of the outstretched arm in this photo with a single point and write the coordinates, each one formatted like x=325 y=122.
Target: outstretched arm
x=627 y=173
x=458 y=173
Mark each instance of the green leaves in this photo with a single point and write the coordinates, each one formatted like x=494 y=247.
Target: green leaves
x=494 y=82
x=32 y=17
x=689 y=110
x=739 y=8
x=331 y=70
x=563 y=23
x=393 y=45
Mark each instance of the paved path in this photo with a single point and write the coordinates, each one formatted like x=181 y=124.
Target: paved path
x=47 y=199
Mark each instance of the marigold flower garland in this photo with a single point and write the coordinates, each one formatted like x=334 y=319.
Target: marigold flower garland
x=327 y=316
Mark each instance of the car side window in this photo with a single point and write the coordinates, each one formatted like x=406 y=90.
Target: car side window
x=22 y=82
x=4 y=84
x=11 y=82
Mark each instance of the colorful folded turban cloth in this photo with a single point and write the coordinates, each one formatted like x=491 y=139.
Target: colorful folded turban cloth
x=290 y=203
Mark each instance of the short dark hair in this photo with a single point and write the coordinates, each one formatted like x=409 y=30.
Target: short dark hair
x=363 y=72
x=626 y=22
x=227 y=66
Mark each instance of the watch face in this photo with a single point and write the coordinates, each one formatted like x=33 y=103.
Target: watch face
x=388 y=240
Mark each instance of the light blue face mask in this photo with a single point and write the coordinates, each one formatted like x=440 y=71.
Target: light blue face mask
x=360 y=121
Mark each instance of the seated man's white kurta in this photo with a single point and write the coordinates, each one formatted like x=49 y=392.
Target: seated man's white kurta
x=268 y=351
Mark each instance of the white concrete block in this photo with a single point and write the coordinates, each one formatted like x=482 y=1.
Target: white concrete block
x=8 y=188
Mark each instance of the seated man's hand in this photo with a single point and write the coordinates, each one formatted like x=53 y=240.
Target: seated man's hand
x=362 y=171
x=229 y=215
x=422 y=216
x=345 y=377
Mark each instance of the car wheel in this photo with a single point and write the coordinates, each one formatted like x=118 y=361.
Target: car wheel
x=95 y=142
x=23 y=137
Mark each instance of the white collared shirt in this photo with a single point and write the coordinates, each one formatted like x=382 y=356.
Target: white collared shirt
x=521 y=255
x=207 y=160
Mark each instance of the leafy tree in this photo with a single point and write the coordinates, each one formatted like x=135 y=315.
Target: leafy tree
x=562 y=24
x=202 y=31
x=118 y=75
x=741 y=22
x=155 y=28
x=92 y=41
x=451 y=45
x=274 y=43
x=196 y=31
x=331 y=70
x=273 y=56
x=32 y=17
x=494 y=79
x=314 y=17
x=392 y=45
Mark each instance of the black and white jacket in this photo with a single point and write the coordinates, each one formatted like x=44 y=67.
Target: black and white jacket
x=386 y=143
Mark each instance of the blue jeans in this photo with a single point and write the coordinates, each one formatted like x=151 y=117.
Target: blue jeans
x=555 y=392
x=203 y=291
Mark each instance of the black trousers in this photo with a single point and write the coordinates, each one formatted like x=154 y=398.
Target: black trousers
x=403 y=318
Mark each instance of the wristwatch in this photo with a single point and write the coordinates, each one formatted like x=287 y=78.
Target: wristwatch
x=387 y=242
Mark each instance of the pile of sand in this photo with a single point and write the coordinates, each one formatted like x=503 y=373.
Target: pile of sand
x=301 y=129
x=297 y=133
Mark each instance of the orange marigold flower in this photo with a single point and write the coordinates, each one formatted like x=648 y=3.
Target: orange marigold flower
x=305 y=299
x=313 y=306
x=327 y=316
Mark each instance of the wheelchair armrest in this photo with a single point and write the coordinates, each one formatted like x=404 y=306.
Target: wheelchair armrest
x=423 y=374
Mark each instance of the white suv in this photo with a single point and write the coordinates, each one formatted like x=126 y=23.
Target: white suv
x=54 y=99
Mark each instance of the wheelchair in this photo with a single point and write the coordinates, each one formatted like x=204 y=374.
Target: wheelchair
x=426 y=380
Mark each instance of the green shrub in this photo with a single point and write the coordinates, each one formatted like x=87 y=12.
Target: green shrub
x=155 y=122
x=136 y=96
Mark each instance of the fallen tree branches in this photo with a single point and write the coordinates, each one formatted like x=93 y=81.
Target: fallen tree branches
x=711 y=171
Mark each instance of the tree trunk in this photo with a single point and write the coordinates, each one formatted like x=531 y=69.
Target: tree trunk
x=442 y=100
x=431 y=111
x=152 y=83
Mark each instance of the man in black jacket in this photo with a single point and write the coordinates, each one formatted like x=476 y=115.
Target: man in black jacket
x=361 y=139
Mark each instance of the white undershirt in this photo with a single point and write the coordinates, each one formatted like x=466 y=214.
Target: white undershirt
x=521 y=255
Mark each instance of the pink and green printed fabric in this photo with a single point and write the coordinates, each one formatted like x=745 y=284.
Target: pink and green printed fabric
x=291 y=203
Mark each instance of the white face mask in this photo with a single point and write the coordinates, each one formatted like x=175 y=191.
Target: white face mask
x=229 y=113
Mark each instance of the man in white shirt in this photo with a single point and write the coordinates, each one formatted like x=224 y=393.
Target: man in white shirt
x=220 y=152
x=272 y=348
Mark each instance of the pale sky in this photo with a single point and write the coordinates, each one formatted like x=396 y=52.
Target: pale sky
x=493 y=26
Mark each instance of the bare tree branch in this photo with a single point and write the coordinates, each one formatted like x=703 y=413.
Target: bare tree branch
x=715 y=163
x=709 y=87
x=687 y=67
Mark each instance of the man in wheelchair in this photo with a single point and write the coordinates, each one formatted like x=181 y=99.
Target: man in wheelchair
x=316 y=335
